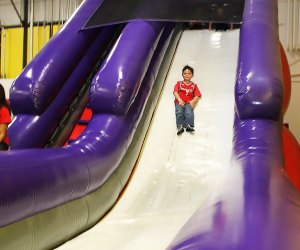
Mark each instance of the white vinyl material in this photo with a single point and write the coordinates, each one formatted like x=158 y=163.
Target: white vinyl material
x=175 y=175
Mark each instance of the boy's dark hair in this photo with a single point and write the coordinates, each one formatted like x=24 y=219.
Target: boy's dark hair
x=187 y=67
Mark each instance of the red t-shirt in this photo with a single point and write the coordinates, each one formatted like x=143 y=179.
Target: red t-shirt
x=5 y=119
x=186 y=91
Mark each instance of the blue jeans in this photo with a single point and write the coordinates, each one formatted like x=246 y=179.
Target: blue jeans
x=184 y=115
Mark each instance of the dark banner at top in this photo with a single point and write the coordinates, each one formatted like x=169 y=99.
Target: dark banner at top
x=119 y=11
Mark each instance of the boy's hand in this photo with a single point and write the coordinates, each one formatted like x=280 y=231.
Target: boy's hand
x=194 y=101
x=181 y=103
x=193 y=104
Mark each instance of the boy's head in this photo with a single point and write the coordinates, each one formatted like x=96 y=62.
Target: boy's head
x=187 y=73
x=187 y=67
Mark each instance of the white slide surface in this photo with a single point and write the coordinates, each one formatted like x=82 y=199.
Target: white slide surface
x=175 y=175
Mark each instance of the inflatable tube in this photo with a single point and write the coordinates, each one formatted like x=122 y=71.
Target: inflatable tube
x=44 y=76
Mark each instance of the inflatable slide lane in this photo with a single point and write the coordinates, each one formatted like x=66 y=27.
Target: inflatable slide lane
x=48 y=195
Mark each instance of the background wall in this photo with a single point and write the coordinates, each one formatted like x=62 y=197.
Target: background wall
x=43 y=11
x=45 y=18
x=48 y=16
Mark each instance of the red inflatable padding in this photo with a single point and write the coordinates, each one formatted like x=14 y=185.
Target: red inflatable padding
x=286 y=79
x=291 y=150
x=77 y=131
x=87 y=114
x=79 y=128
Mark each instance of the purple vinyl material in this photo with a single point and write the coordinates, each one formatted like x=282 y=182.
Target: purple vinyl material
x=48 y=71
x=43 y=125
x=34 y=180
x=115 y=99
x=259 y=88
x=258 y=207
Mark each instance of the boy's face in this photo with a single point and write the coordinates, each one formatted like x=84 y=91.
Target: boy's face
x=187 y=75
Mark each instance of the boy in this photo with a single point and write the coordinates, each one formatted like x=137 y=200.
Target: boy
x=186 y=95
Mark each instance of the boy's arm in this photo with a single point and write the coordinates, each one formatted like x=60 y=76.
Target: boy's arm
x=194 y=101
x=181 y=102
x=197 y=96
x=3 y=131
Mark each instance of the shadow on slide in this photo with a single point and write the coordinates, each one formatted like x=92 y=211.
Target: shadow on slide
x=48 y=196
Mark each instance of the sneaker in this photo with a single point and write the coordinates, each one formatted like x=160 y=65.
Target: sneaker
x=180 y=130
x=189 y=128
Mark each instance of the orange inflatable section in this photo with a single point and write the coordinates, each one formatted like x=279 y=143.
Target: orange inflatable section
x=81 y=125
x=291 y=149
x=286 y=79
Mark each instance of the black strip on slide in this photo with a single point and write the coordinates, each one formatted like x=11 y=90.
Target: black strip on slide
x=119 y=11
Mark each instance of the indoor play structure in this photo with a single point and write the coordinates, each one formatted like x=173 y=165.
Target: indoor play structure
x=54 y=189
